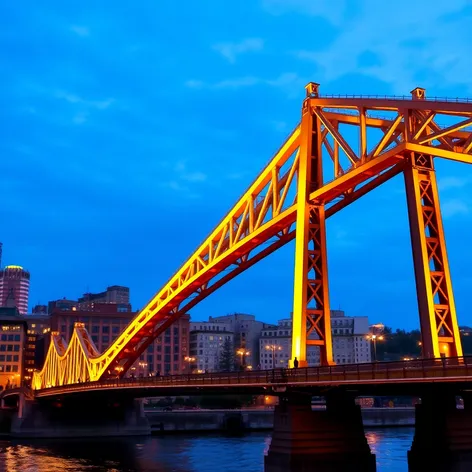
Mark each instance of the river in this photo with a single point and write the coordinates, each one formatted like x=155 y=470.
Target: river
x=200 y=453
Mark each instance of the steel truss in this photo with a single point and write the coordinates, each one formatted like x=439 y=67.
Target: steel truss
x=317 y=172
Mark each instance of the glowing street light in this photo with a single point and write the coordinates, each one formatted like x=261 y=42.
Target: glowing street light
x=273 y=348
x=242 y=352
x=189 y=360
x=143 y=366
x=374 y=338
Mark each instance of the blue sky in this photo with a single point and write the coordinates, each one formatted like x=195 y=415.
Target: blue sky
x=129 y=131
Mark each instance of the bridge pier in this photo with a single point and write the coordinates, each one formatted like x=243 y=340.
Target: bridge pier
x=328 y=440
x=98 y=418
x=443 y=434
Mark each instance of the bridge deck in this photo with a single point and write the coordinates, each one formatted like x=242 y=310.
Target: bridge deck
x=456 y=370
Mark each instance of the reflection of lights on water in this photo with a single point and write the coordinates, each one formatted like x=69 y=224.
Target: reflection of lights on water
x=373 y=439
x=20 y=457
x=267 y=442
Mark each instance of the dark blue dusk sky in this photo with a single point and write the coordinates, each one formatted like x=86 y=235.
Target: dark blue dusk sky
x=130 y=128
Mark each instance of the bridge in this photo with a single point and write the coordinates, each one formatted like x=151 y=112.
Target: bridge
x=413 y=377
x=343 y=148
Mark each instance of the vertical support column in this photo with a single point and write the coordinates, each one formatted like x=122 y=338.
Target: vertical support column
x=311 y=312
x=438 y=321
x=331 y=440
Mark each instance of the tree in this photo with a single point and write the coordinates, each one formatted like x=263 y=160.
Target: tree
x=226 y=360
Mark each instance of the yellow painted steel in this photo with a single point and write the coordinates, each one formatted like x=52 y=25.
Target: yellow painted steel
x=438 y=318
x=264 y=211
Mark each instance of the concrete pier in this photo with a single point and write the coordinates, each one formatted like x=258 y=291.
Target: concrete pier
x=328 y=440
x=443 y=434
x=57 y=420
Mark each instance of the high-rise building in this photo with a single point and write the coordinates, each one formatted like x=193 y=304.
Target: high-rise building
x=37 y=343
x=14 y=285
x=349 y=338
x=207 y=342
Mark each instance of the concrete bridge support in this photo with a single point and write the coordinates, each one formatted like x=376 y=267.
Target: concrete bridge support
x=79 y=419
x=443 y=434
x=329 y=440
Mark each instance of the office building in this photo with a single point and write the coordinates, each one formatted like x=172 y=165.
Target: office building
x=350 y=343
x=349 y=338
x=13 y=330
x=62 y=305
x=14 y=286
x=37 y=344
x=115 y=294
x=246 y=333
x=207 y=342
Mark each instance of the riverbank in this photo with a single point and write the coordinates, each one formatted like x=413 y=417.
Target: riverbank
x=184 y=421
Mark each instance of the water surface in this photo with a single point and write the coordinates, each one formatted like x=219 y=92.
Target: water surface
x=177 y=453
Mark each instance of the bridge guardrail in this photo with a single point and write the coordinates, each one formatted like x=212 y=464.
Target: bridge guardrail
x=401 y=370
x=399 y=97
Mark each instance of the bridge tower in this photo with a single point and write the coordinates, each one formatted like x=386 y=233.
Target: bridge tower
x=311 y=312
x=439 y=328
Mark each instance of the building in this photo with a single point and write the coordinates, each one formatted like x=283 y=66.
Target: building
x=40 y=310
x=165 y=355
x=14 y=285
x=115 y=294
x=349 y=338
x=207 y=342
x=350 y=343
x=37 y=344
x=275 y=344
x=246 y=333
x=13 y=330
x=62 y=305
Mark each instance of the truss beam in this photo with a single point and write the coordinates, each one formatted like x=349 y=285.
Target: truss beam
x=439 y=328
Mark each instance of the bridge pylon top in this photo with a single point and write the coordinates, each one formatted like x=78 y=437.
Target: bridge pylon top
x=312 y=89
x=418 y=93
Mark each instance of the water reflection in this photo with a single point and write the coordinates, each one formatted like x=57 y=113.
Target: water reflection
x=174 y=453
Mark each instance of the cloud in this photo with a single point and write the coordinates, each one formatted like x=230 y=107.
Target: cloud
x=446 y=183
x=428 y=46
x=80 y=30
x=75 y=99
x=231 y=50
x=290 y=81
x=453 y=207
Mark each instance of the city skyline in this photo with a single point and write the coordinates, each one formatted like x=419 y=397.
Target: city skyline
x=120 y=198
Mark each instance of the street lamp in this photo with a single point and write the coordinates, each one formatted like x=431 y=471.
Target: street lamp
x=143 y=365
x=242 y=352
x=189 y=360
x=273 y=348
x=374 y=338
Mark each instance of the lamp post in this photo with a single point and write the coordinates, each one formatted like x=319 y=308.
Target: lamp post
x=189 y=360
x=273 y=348
x=374 y=338
x=242 y=352
x=143 y=365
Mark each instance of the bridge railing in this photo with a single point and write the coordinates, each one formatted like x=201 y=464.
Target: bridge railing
x=399 y=97
x=388 y=371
